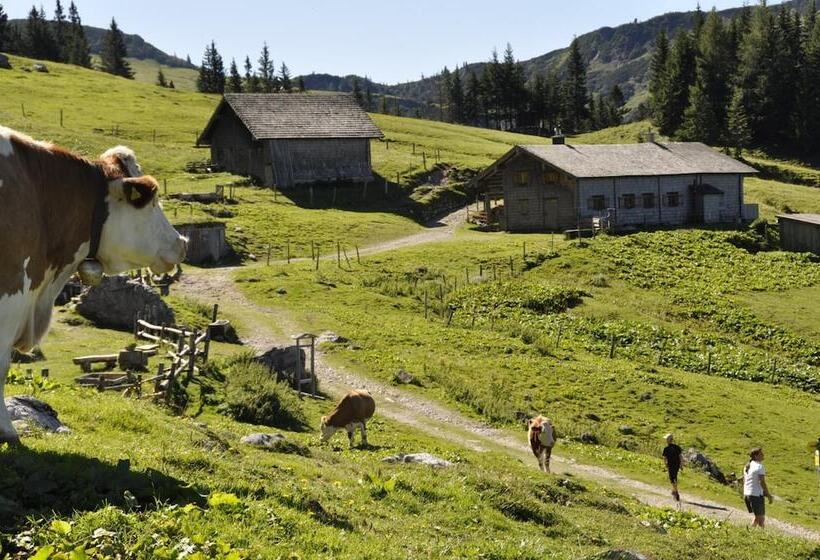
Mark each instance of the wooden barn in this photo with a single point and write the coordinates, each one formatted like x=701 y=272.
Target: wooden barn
x=800 y=232
x=287 y=139
x=560 y=186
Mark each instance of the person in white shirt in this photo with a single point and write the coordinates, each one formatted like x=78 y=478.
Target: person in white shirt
x=754 y=487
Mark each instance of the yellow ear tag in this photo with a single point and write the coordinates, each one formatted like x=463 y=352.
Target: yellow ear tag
x=134 y=195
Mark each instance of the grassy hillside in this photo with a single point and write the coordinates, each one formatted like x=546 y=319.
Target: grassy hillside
x=145 y=70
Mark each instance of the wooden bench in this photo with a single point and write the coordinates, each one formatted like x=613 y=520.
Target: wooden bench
x=85 y=362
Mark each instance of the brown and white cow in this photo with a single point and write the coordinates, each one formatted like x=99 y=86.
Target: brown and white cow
x=541 y=436
x=54 y=207
x=355 y=408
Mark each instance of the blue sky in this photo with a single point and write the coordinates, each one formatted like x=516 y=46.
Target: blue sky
x=388 y=40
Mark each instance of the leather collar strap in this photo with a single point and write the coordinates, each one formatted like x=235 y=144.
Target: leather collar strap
x=97 y=221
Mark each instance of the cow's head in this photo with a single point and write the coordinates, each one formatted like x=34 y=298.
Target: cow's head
x=136 y=233
x=327 y=430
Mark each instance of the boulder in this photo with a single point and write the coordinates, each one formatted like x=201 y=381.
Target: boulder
x=588 y=438
x=627 y=430
x=403 y=377
x=117 y=300
x=275 y=442
x=617 y=554
x=698 y=460
x=592 y=416
x=284 y=360
x=4 y=62
x=40 y=68
x=420 y=458
x=28 y=410
x=329 y=336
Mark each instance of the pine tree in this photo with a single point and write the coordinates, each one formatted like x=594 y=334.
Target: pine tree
x=705 y=117
x=811 y=89
x=397 y=108
x=698 y=21
x=114 y=53
x=161 y=82
x=171 y=85
x=61 y=32
x=383 y=107
x=368 y=95
x=575 y=90
x=357 y=92
x=4 y=18
x=756 y=74
x=739 y=132
x=456 y=97
x=234 y=84
x=658 y=68
x=472 y=99
x=251 y=82
x=444 y=84
x=301 y=81
x=680 y=75
x=79 y=52
x=267 y=78
x=39 y=42
x=211 y=77
x=616 y=102
x=284 y=78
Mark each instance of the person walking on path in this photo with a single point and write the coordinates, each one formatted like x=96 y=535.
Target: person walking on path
x=754 y=487
x=672 y=458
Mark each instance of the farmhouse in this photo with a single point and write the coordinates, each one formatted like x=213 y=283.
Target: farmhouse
x=561 y=186
x=800 y=232
x=286 y=139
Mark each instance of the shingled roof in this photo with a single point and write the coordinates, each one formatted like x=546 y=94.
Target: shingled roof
x=298 y=115
x=651 y=159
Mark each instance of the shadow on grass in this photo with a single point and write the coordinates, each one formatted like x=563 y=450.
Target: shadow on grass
x=37 y=483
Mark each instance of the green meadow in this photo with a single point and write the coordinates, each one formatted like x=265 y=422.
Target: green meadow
x=619 y=339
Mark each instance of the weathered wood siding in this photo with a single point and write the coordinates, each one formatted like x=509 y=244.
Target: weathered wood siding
x=233 y=148
x=206 y=242
x=537 y=205
x=799 y=236
x=729 y=207
x=298 y=161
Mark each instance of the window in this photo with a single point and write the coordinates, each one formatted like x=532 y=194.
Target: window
x=673 y=199
x=522 y=178
x=550 y=177
x=597 y=202
x=628 y=201
x=648 y=200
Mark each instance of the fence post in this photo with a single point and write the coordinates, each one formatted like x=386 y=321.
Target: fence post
x=287 y=250
x=426 y=304
x=268 y=259
x=612 y=343
x=61 y=118
x=338 y=254
x=165 y=187
x=358 y=258
x=512 y=270
x=206 y=346
x=191 y=354
x=215 y=311
x=169 y=387
x=709 y=363
x=525 y=249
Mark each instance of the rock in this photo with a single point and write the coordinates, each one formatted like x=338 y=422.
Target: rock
x=589 y=438
x=283 y=360
x=35 y=355
x=30 y=411
x=627 y=430
x=420 y=458
x=275 y=442
x=403 y=377
x=262 y=440
x=592 y=416
x=222 y=330
x=698 y=460
x=40 y=68
x=645 y=397
x=332 y=337
x=617 y=554
x=4 y=62
x=281 y=291
x=117 y=300
x=132 y=360
x=627 y=445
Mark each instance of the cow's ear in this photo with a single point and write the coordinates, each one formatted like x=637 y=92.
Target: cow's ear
x=139 y=191
x=121 y=161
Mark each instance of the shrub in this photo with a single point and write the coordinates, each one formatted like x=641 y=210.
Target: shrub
x=535 y=296
x=253 y=396
x=600 y=281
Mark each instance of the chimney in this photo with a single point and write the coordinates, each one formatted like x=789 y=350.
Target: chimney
x=558 y=138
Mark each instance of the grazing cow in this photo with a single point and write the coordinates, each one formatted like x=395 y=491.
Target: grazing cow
x=58 y=209
x=355 y=408
x=542 y=438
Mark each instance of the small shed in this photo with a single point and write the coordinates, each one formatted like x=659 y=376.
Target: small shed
x=800 y=232
x=287 y=139
x=206 y=242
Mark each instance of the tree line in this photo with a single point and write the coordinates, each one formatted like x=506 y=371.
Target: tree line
x=262 y=79
x=62 y=39
x=753 y=80
x=499 y=96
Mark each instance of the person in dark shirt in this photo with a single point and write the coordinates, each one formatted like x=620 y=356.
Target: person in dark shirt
x=672 y=458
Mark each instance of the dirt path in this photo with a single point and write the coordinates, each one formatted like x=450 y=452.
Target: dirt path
x=423 y=414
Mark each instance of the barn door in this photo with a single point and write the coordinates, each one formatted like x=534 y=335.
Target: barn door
x=550 y=213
